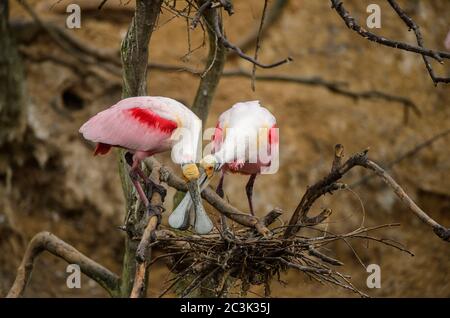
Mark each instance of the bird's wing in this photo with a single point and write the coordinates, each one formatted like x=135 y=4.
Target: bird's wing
x=138 y=123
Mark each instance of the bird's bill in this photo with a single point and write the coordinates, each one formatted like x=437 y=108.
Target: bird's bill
x=203 y=224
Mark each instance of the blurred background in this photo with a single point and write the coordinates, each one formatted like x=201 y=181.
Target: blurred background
x=49 y=179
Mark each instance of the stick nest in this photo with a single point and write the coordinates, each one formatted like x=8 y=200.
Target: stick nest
x=226 y=260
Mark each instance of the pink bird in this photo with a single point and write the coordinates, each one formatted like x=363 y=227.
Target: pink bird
x=241 y=123
x=145 y=126
x=245 y=141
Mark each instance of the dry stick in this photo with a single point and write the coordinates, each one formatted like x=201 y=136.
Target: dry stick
x=352 y=24
x=272 y=15
x=332 y=86
x=213 y=70
x=413 y=26
x=225 y=42
x=329 y=184
x=335 y=87
x=404 y=156
x=258 y=42
x=440 y=231
x=45 y=241
x=168 y=177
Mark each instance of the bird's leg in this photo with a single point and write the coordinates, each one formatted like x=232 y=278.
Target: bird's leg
x=249 y=191
x=150 y=184
x=134 y=176
x=136 y=173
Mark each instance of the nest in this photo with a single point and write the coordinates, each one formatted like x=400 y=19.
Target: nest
x=218 y=263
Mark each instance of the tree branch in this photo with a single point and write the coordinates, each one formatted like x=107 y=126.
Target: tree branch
x=134 y=54
x=425 y=52
x=214 y=66
x=329 y=184
x=413 y=26
x=226 y=43
x=45 y=241
x=408 y=154
x=272 y=16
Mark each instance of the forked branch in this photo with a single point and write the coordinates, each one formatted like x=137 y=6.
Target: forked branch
x=426 y=53
x=45 y=241
x=330 y=183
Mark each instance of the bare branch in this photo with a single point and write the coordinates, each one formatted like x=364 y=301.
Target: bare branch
x=272 y=15
x=213 y=69
x=440 y=231
x=425 y=52
x=258 y=42
x=329 y=184
x=408 y=154
x=413 y=26
x=45 y=241
x=332 y=86
x=226 y=43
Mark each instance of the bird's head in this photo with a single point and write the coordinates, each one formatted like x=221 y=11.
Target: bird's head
x=210 y=165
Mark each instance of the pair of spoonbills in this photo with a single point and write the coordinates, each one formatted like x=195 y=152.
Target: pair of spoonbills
x=148 y=125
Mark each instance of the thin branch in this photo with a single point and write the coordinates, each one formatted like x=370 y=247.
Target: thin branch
x=332 y=86
x=45 y=241
x=143 y=251
x=100 y=6
x=214 y=67
x=408 y=154
x=440 y=231
x=351 y=23
x=329 y=184
x=273 y=14
x=413 y=26
x=258 y=42
x=225 y=42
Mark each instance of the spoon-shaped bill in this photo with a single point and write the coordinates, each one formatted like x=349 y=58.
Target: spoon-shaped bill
x=203 y=224
x=179 y=219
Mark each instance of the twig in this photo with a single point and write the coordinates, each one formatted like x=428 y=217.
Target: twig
x=352 y=24
x=214 y=66
x=102 y=4
x=408 y=154
x=272 y=15
x=413 y=26
x=332 y=86
x=229 y=45
x=329 y=184
x=45 y=241
x=258 y=42
x=143 y=251
x=440 y=231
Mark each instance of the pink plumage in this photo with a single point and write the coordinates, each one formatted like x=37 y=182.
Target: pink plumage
x=251 y=116
x=139 y=124
x=244 y=119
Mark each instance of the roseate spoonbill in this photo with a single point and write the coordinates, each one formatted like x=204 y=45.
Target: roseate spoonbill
x=245 y=141
x=145 y=126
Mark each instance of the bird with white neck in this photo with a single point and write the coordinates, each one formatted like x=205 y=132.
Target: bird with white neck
x=145 y=126
x=245 y=141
